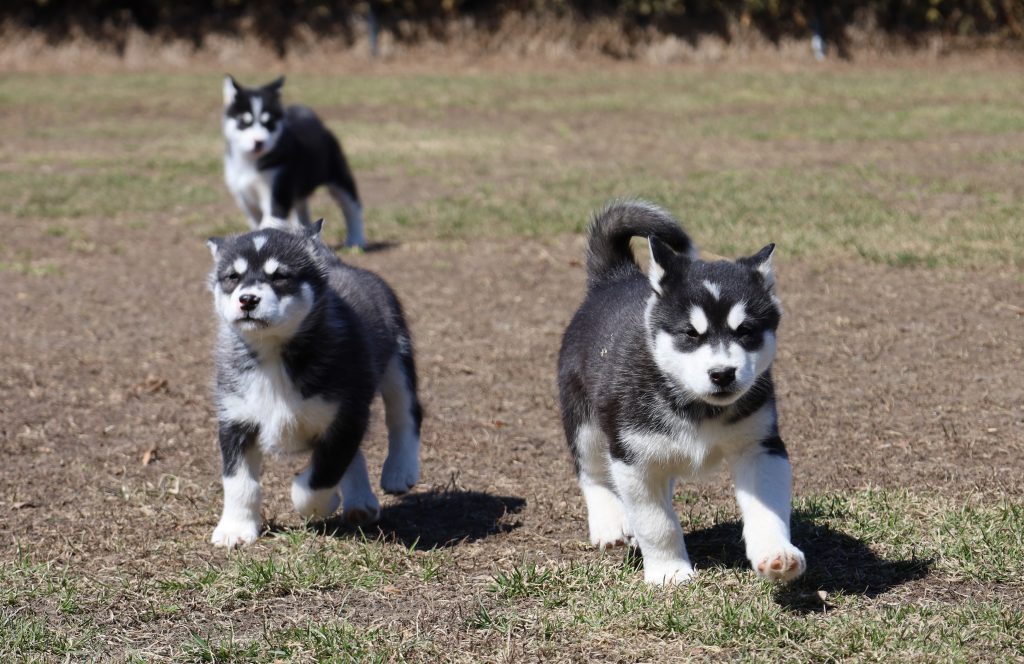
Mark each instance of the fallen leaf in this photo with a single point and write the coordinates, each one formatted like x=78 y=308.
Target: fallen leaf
x=22 y=504
x=149 y=456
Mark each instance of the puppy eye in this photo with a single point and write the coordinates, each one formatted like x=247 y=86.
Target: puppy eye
x=280 y=277
x=691 y=332
x=744 y=330
x=230 y=277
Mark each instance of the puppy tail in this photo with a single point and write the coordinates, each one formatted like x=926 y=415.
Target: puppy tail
x=611 y=230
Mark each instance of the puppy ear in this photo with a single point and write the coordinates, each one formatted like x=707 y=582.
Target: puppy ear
x=762 y=264
x=275 y=85
x=661 y=256
x=230 y=89
x=315 y=228
x=215 y=243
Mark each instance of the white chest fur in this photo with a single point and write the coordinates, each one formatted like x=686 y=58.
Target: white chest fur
x=691 y=449
x=287 y=422
x=246 y=181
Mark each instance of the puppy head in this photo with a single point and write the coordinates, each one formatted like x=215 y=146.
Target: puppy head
x=712 y=324
x=252 y=116
x=265 y=283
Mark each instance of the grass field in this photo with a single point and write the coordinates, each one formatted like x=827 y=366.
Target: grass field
x=895 y=195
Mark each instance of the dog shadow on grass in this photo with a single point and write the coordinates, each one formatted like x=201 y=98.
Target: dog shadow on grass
x=439 y=519
x=836 y=562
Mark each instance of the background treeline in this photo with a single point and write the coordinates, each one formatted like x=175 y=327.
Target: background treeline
x=276 y=21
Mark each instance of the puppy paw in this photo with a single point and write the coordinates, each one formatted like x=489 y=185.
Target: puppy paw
x=362 y=515
x=400 y=473
x=608 y=533
x=783 y=564
x=232 y=533
x=668 y=573
x=314 y=503
x=607 y=520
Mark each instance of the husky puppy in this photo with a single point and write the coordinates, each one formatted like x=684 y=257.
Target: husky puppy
x=276 y=157
x=303 y=345
x=661 y=376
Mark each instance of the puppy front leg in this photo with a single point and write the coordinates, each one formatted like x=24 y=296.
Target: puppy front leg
x=315 y=490
x=242 y=460
x=277 y=209
x=763 y=484
x=648 y=504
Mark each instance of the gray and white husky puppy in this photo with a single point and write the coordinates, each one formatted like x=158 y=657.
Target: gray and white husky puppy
x=304 y=343
x=662 y=376
x=276 y=157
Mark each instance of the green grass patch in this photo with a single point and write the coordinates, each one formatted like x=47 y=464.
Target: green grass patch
x=742 y=157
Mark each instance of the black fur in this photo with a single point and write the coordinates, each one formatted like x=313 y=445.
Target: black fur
x=606 y=372
x=339 y=353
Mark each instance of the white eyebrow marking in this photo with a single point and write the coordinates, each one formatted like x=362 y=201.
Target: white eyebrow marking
x=240 y=265
x=698 y=319
x=715 y=291
x=258 y=241
x=270 y=267
x=737 y=315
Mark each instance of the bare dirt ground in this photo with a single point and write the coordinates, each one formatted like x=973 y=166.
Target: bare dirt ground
x=891 y=378
x=899 y=378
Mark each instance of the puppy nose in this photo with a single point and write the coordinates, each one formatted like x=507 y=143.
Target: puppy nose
x=722 y=376
x=248 y=301
x=257 y=146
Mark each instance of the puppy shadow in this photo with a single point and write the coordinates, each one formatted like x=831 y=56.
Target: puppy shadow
x=439 y=519
x=370 y=248
x=836 y=563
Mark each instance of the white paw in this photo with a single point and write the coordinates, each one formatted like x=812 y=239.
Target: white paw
x=400 y=472
x=607 y=519
x=232 y=533
x=361 y=511
x=784 y=564
x=314 y=503
x=668 y=573
x=610 y=529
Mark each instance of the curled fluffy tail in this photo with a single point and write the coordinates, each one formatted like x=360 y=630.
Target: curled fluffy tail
x=613 y=227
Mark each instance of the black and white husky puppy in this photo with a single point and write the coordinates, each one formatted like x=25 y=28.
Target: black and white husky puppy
x=303 y=345
x=276 y=157
x=661 y=376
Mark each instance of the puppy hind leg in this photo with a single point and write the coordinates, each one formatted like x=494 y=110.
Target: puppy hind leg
x=301 y=214
x=403 y=415
x=352 y=209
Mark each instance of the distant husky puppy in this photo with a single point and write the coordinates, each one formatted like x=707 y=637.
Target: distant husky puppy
x=304 y=343
x=662 y=376
x=276 y=157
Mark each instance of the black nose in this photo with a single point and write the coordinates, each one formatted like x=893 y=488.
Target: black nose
x=257 y=146
x=249 y=301
x=722 y=376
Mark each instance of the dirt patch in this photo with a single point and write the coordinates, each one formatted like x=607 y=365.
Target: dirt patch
x=894 y=378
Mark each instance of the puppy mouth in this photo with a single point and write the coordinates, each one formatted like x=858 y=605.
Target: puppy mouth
x=251 y=323
x=723 y=397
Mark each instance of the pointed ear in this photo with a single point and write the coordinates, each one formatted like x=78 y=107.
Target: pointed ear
x=230 y=89
x=661 y=256
x=762 y=263
x=275 y=85
x=215 y=243
x=315 y=228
